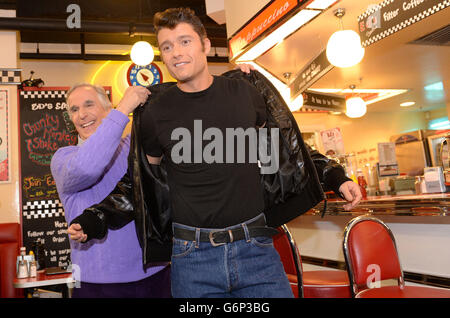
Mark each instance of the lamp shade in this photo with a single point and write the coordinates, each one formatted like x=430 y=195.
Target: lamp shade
x=344 y=48
x=356 y=107
x=142 y=53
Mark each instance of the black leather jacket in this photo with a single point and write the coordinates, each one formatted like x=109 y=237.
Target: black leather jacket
x=143 y=194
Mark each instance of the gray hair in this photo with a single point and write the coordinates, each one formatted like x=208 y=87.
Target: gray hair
x=101 y=93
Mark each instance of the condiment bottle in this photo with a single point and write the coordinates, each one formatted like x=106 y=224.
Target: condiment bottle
x=22 y=271
x=33 y=269
x=362 y=183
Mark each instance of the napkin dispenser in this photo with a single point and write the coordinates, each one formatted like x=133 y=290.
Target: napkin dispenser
x=434 y=180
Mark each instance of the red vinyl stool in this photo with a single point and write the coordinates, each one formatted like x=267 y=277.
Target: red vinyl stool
x=315 y=284
x=326 y=284
x=405 y=292
x=369 y=241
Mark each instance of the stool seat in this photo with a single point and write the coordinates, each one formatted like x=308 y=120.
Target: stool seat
x=319 y=277
x=326 y=284
x=405 y=292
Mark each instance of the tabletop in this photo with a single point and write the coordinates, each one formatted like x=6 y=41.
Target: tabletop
x=43 y=280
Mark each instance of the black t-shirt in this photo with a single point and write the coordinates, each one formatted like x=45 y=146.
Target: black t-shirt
x=208 y=188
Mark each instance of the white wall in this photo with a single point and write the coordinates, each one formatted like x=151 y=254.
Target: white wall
x=9 y=192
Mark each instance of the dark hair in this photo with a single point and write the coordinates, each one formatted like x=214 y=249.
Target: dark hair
x=174 y=16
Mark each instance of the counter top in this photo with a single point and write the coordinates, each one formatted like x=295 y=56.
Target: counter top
x=436 y=204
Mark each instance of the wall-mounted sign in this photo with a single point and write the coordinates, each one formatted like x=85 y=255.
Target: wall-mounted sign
x=314 y=70
x=259 y=24
x=144 y=75
x=390 y=16
x=326 y=102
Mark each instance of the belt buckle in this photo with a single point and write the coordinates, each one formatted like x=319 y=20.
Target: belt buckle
x=211 y=238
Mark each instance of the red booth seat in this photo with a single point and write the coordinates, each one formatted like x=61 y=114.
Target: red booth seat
x=9 y=249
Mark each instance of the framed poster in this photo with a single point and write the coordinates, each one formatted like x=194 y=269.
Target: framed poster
x=5 y=175
x=44 y=126
x=332 y=142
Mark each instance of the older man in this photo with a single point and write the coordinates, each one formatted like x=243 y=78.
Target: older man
x=85 y=174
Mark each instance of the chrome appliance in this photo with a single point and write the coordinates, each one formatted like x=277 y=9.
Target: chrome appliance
x=412 y=152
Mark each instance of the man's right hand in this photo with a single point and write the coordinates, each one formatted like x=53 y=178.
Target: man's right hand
x=76 y=233
x=133 y=97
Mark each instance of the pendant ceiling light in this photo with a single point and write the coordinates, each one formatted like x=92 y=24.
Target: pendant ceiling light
x=142 y=53
x=355 y=106
x=344 y=47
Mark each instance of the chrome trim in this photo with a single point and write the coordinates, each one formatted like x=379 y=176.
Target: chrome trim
x=412 y=205
x=350 y=269
x=297 y=260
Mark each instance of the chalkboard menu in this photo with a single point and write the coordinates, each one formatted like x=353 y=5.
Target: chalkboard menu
x=44 y=126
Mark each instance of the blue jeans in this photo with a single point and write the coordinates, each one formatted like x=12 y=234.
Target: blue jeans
x=247 y=268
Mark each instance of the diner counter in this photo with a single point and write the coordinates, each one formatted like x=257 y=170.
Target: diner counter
x=436 y=204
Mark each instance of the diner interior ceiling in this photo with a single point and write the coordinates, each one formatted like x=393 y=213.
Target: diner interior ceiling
x=136 y=11
x=391 y=63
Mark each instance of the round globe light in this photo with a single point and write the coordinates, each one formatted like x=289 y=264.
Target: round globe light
x=142 y=53
x=356 y=107
x=296 y=104
x=344 y=48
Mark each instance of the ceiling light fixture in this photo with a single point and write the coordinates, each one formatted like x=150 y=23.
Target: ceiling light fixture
x=407 y=104
x=344 y=47
x=142 y=53
x=381 y=94
x=355 y=106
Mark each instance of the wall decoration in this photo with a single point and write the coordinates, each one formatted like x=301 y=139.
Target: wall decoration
x=10 y=76
x=391 y=16
x=144 y=75
x=5 y=175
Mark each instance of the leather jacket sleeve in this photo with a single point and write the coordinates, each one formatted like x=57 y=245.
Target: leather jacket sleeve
x=331 y=174
x=114 y=212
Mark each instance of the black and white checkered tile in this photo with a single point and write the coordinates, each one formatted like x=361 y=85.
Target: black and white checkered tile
x=373 y=9
x=420 y=16
x=42 y=209
x=10 y=76
x=43 y=94
x=46 y=94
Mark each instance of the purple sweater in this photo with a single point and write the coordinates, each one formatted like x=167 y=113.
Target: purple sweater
x=84 y=176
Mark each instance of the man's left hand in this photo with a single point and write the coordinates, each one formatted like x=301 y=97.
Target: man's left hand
x=352 y=193
x=246 y=68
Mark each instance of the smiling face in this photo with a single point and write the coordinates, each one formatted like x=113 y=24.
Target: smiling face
x=86 y=110
x=184 y=53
